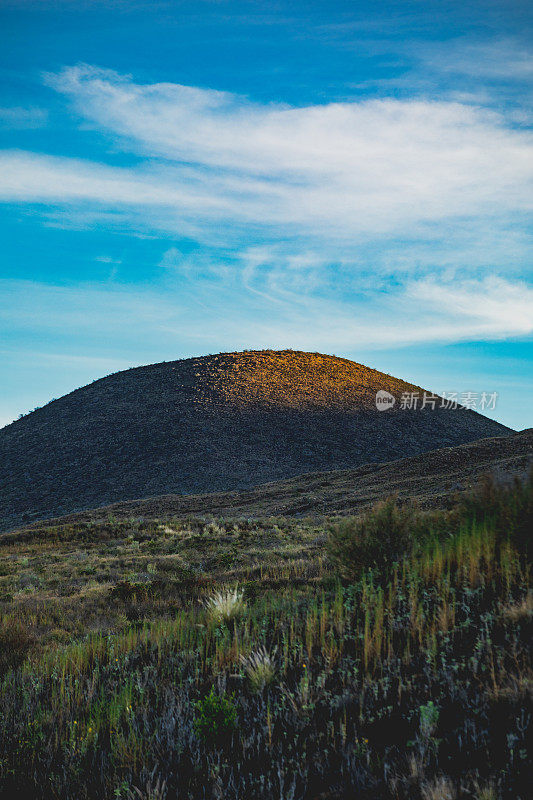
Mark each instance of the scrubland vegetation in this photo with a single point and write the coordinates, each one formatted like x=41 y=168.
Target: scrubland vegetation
x=380 y=657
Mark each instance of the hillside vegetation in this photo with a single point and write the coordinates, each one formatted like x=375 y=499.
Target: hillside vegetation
x=271 y=659
x=210 y=424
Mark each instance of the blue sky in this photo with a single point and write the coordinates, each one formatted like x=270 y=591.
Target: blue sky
x=181 y=178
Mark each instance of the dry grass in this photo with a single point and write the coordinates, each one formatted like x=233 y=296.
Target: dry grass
x=155 y=789
x=440 y=789
x=226 y=605
x=260 y=668
x=103 y=577
x=331 y=681
x=486 y=791
x=518 y=612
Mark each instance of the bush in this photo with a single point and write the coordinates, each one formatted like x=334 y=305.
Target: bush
x=429 y=717
x=16 y=640
x=216 y=718
x=506 y=507
x=378 y=539
x=130 y=590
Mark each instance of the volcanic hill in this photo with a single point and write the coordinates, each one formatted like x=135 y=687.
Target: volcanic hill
x=224 y=422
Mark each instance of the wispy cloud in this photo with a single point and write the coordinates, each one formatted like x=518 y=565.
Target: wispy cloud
x=491 y=72
x=342 y=171
x=491 y=308
x=22 y=117
x=298 y=214
x=501 y=59
x=258 y=310
x=108 y=260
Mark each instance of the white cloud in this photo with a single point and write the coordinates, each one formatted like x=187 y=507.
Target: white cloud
x=347 y=172
x=491 y=308
x=503 y=59
x=43 y=358
x=258 y=311
x=108 y=260
x=42 y=178
x=328 y=195
x=485 y=71
x=20 y=117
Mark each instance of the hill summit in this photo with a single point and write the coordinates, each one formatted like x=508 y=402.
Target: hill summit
x=222 y=422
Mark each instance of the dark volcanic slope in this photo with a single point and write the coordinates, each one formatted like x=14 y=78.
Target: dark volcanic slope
x=432 y=479
x=209 y=424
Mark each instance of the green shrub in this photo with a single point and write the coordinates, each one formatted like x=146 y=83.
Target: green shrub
x=429 y=717
x=508 y=508
x=216 y=718
x=130 y=590
x=376 y=540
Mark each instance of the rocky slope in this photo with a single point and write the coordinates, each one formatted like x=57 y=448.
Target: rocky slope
x=431 y=479
x=225 y=422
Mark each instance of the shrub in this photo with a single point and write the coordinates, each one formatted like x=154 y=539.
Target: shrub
x=506 y=507
x=16 y=640
x=378 y=539
x=429 y=717
x=130 y=590
x=226 y=605
x=216 y=718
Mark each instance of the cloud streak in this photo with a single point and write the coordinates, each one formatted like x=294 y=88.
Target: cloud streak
x=265 y=313
x=301 y=206
x=340 y=171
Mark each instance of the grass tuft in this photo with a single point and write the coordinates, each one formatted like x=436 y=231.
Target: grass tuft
x=259 y=668
x=226 y=605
